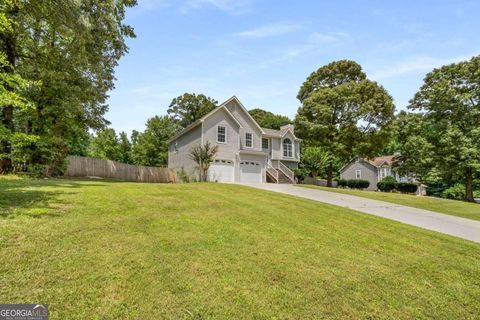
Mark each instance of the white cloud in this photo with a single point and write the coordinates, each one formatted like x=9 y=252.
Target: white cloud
x=316 y=41
x=230 y=6
x=268 y=31
x=414 y=64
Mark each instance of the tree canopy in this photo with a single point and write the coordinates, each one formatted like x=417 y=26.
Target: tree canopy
x=344 y=113
x=150 y=147
x=65 y=53
x=445 y=136
x=267 y=119
x=190 y=107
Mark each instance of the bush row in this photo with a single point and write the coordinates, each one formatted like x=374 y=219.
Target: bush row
x=389 y=184
x=353 y=183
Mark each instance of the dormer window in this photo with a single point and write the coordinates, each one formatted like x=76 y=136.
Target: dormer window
x=287 y=148
x=248 y=140
x=221 y=134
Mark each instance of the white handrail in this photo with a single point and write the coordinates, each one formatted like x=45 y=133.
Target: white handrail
x=272 y=171
x=286 y=171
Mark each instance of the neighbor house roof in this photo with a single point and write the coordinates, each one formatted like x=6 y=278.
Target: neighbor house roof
x=380 y=161
x=376 y=162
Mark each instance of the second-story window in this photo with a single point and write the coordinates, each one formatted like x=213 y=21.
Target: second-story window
x=248 y=139
x=264 y=143
x=221 y=134
x=287 y=148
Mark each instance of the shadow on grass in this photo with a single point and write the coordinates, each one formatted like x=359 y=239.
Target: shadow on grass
x=36 y=197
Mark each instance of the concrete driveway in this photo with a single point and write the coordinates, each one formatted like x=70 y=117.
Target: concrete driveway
x=451 y=225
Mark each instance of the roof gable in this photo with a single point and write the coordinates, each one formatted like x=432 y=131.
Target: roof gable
x=244 y=110
x=199 y=121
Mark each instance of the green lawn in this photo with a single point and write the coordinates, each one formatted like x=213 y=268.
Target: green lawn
x=451 y=207
x=111 y=250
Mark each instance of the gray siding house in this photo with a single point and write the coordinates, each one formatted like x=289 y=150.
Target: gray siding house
x=373 y=170
x=246 y=152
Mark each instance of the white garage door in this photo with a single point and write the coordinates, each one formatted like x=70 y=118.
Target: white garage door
x=221 y=171
x=250 y=172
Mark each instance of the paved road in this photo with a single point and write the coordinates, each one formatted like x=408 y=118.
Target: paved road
x=455 y=226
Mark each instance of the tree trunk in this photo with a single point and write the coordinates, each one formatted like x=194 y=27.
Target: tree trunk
x=330 y=175
x=469 y=185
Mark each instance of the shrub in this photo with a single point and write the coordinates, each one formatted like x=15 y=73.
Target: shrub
x=301 y=173
x=387 y=184
x=342 y=183
x=457 y=192
x=406 y=187
x=358 y=184
x=436 y=189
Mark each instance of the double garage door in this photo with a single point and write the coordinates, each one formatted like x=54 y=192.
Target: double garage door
x=224 y=171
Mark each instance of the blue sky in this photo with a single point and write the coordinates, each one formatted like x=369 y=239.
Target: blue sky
x=261 y=51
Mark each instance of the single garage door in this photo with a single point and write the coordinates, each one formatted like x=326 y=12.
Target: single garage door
x=221 y=171
x=250 y=172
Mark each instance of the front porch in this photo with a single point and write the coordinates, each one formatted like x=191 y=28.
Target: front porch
x=279 y=172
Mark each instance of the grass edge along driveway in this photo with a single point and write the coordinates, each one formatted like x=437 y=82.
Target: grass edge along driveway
x=451 y=207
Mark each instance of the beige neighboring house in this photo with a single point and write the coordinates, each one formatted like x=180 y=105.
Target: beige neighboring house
x=373 y=170
x=246 y=152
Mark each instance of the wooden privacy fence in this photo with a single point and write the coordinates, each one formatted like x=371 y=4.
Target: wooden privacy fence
x=85 y=167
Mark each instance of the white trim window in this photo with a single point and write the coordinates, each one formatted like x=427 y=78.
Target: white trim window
x=175 y=147
x=265 y=143
x=385 y=172
x=358 y=174
x=248 y=140
x=287 y=148
x=221 y=134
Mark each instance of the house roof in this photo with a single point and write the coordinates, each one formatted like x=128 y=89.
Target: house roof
x=376 y=162
x=199 y=121
x=273 y=132
x=234 y=98
x=380 y=161
x=278 y=133
x=265 y=131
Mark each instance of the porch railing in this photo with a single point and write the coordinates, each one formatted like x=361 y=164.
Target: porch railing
x=286 y=171
x=273 y=172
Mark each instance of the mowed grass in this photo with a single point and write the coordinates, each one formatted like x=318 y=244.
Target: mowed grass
x=452 y=207
x=111 y=250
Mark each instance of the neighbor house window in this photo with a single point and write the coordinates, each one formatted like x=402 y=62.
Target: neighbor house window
x=176 y=146
x=358 y=174
x=264 y=143
x=221 y=134
x=287 y=148
x=385 y=172
x=248 y=139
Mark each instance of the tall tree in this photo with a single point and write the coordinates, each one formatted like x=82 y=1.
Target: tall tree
x=344 y=113
x=267 y=119
x=450 y=101
x=190 y=107
x=71 y=47
x=150 y=147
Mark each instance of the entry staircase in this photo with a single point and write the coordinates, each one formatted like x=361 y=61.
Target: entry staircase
x=280 y=173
